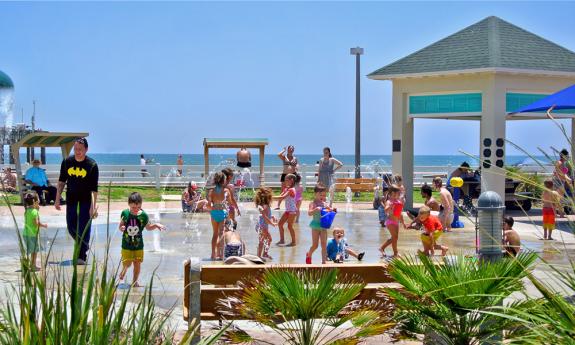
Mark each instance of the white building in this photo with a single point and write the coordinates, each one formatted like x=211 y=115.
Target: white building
x=482 y=72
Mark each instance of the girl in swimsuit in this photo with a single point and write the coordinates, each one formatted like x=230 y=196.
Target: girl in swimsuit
x=317 y=232
x=290 y=164
x=233 y=206
x=393 y=209
x=218 y=201
x=263 y=200
x=290 y=212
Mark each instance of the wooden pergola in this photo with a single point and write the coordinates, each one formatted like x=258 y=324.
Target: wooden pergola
x=65 y=141
x=235 y=143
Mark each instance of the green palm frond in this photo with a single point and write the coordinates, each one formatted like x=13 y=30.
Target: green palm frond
x=446 y=298
x=306 y=307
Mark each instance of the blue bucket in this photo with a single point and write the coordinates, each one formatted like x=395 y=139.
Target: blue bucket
x=327 y=218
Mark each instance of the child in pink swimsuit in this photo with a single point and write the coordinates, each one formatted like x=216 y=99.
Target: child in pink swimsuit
x=263 y=200
x=291 y=210
x=393 y=209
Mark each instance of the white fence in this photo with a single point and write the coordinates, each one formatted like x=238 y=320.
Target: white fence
x=160 y=176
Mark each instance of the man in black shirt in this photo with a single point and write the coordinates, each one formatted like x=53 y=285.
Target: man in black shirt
x=80 y=175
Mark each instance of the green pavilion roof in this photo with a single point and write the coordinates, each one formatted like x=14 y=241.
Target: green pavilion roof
x=5 y=80
x=242 y=140
x=49 y=139
x=491 y=43
x=236 y=141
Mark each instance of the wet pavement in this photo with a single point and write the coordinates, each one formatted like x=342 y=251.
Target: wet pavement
x=190 y=235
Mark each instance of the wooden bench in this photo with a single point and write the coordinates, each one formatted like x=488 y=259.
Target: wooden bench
x=442 y=175
x=205 y=285
x=171 y=197
x=355 y=184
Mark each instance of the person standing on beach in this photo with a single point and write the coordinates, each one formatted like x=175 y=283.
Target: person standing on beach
x=218 y=201
x=143 y=165
x=180 y=163
x=233 y=206
x=79 y=173
x=318 y=234
x=290 y=165
x=561 y=179
x=290 y=213
x=393 y=209
x=326 y=170
x=447 y=204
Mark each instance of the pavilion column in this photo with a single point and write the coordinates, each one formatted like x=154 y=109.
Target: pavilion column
x=402 y=144
x=492 y=136
x=206 y=161
x=262 y=157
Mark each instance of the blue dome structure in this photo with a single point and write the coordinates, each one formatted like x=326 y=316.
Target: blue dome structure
x=5 y=81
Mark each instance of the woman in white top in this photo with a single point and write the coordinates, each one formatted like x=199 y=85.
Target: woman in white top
x=143 y=164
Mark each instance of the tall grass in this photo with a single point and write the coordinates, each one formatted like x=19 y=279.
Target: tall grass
x=85 y=307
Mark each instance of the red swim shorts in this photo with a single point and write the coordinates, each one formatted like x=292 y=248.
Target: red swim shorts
x=548 y=216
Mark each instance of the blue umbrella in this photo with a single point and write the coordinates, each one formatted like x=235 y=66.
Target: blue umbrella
x=564 y=99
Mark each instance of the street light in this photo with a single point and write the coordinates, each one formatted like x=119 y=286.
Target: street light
x=357 y=51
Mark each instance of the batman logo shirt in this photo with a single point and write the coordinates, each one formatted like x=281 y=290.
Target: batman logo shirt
x=81 y=178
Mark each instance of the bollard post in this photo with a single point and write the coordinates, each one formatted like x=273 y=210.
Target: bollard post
x=158 y=168
x=194 y=306
x=490 y=208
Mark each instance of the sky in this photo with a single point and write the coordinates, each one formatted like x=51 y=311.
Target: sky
x=158 y=77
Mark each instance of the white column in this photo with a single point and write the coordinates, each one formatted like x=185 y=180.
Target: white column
x=402 y=144
x=492 y=137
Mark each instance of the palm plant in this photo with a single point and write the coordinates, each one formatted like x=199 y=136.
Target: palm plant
x=549 y=319
x=305 y=307
x=82 y=308
x=447 y=300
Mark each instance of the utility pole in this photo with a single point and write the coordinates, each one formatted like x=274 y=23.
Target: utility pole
x=33 y=127
x=33 y=116
x=357 y=52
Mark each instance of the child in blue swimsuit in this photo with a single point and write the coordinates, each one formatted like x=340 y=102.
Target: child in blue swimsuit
x=218 y=201
x=318 y=234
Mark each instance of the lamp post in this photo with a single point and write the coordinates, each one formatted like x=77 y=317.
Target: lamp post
x=357 y=51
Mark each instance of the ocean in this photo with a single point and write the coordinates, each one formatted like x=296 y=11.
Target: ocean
x=273 y=160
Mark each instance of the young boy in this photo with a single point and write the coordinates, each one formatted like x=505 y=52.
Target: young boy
x=432 y=230
x=338 y=249
x=551 y=203
x=511 y=240
x=132 y=224
x=381 y=205
x=32 y=226
x=232 y=242
x=429 y=201
x=446 y=213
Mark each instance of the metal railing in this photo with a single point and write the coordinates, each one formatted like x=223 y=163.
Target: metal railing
x=160 y=176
